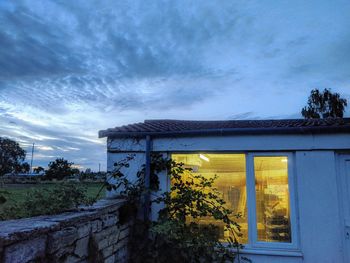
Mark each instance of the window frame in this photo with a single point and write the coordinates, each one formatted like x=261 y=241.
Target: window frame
x=251 y=203
x=253 y=243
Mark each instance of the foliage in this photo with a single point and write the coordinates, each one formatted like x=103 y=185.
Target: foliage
x=60 y=169
x=11 y=160
x=3 y=196
x=38 y=169
x=89 y=175
x=24 y=167
x=177 y=235
x=324 y=105
x=60 y=198
x=11 y=156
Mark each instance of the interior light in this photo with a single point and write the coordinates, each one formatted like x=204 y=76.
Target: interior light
x=284 y=160
x=203 y=157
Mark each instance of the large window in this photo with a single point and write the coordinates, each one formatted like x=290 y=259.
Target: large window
x=258 y=187
x=231 y=182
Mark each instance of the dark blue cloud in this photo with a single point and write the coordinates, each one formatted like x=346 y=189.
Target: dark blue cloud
x=70 y=68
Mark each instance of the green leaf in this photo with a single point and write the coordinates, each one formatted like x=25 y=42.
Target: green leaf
x=2 y=199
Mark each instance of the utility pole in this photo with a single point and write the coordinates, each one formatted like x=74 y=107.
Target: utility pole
x=31 y=162
x=99 y=167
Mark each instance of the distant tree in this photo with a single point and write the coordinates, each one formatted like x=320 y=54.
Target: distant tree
x=38 y=169
x=11 y=156
x=59 y=169
x=324 y=105
x=23 y=168
x=75 y=171
x=88 y=174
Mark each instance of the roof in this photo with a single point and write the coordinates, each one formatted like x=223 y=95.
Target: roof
x=164 y=128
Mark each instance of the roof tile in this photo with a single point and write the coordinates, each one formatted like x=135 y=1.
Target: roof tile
x=163 y=127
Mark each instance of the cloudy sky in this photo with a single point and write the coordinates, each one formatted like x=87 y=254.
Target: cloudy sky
x=71 y=68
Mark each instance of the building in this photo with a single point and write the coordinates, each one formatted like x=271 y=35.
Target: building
x=290 y=179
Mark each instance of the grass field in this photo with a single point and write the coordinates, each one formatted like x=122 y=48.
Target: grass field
x=17 y=192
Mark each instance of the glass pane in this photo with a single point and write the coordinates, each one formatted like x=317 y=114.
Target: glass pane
x=231 y=182
x=272 y=199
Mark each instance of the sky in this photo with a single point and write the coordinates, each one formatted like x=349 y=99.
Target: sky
x=71 y=68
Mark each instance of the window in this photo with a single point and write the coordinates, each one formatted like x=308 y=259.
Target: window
x=272 y=199
x=231 y=182
x=258 y=186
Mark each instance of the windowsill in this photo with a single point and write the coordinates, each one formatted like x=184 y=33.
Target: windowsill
x=272 y=252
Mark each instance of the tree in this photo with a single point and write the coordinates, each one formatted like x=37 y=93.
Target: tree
x=59 y=169
x=23 y=168
x=39 y=169
x=11 y=156
x=324 y=105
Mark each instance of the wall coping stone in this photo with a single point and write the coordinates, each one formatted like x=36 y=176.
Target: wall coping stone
x=12 y=231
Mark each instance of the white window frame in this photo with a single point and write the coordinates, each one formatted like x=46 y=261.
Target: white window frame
x=253 y=242
x=254 y=246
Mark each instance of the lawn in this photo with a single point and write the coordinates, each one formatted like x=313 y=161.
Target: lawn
x=17 y=192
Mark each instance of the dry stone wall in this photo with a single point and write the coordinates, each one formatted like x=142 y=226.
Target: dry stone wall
x=92 y=234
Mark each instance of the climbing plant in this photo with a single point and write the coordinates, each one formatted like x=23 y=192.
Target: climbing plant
x=177 y=234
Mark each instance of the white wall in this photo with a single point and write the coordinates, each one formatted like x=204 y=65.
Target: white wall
x=320 y=229
x=237 y=143
x=135 y=165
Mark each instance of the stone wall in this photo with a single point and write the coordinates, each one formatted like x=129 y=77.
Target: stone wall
x=92 y=234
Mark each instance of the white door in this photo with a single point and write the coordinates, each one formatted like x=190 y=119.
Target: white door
x=344 y=170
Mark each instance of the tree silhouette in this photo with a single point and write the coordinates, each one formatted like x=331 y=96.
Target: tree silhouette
x=324 y=105
x=11 y=156
x=38 y=169
x=59 y=169
x=23 y=168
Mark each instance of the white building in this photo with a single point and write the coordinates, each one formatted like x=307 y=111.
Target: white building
x=290 y=179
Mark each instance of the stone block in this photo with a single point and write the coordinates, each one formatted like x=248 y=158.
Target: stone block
x=110 y=259
x=121 y=244
x=25 y=251
x=121 y=255
x=108 y=251
x=96 y=226
x=124 y=233
x=103 y=243
x=114 y=230
x=72 y=259
x=82 y=247
x=113 y=239
x=61 y=253
x=13 y=231
x=62 y=238
x=73 y=218
x=109 y=220
x=84 y=230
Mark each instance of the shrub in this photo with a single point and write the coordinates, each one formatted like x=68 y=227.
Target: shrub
x=58 y=199
x=177 y=236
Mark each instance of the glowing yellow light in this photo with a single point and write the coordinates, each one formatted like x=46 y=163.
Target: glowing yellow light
x=203 y=157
